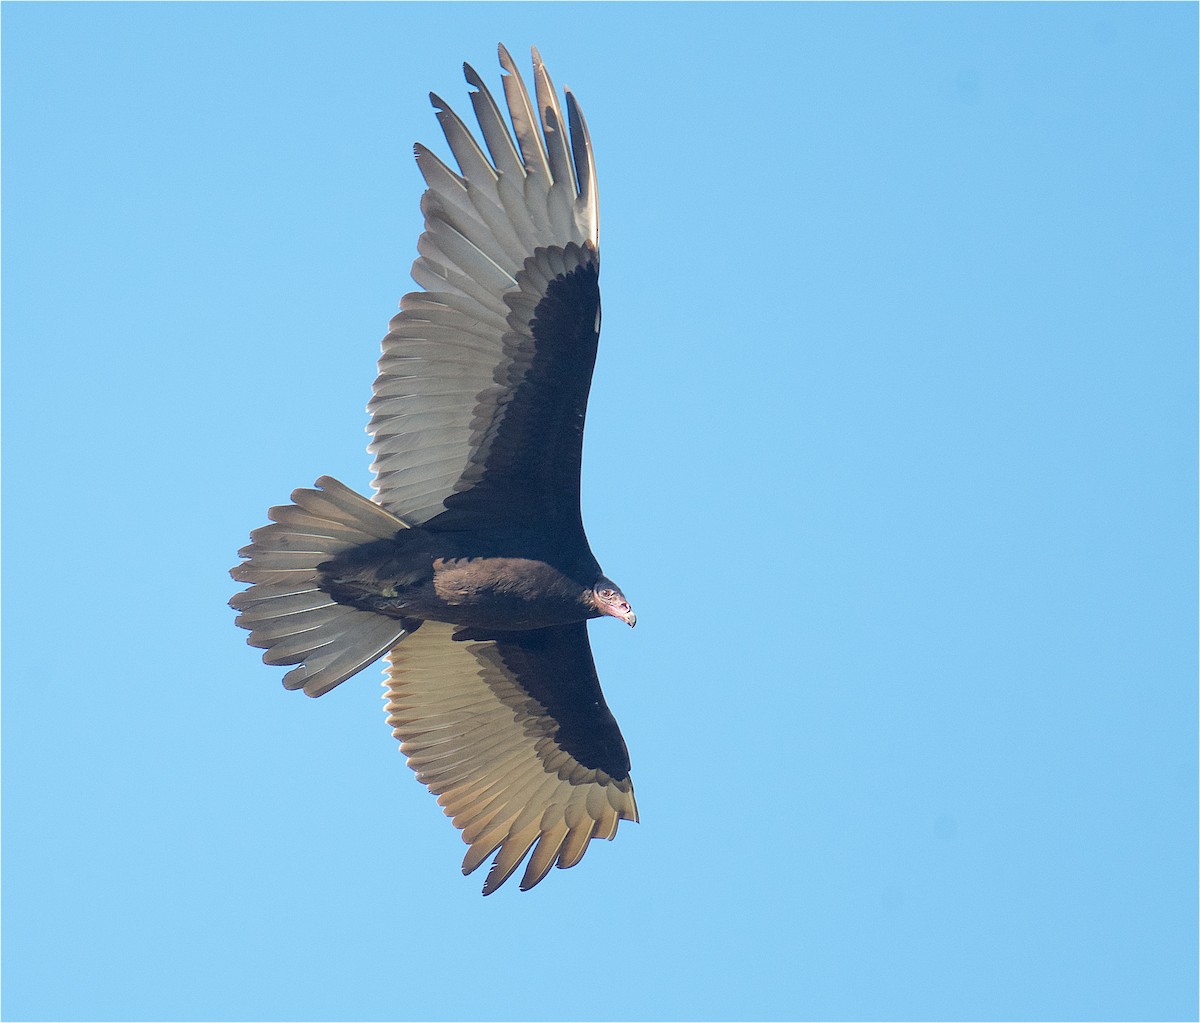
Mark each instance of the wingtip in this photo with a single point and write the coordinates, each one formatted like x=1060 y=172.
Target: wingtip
x=488 y=887
x=506 y=61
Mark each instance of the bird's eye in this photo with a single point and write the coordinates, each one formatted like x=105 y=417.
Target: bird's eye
x=607 y=594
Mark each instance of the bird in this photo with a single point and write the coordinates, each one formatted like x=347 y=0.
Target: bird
x=469 y=569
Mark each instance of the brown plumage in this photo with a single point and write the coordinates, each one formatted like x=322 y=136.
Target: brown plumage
x=471 y=570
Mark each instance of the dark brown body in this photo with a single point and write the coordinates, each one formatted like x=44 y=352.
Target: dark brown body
x=420 y=574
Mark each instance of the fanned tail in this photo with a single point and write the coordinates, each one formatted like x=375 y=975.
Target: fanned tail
x=286 y=611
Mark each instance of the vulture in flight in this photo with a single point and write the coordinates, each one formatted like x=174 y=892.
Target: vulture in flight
x=470 y=569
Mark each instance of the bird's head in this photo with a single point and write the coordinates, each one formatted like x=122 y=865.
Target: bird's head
x=609 y=600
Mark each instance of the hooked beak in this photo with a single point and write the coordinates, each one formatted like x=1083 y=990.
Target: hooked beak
x=622 y=612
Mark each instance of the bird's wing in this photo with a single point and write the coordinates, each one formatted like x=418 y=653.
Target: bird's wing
x=478 y=409
x=511 y=732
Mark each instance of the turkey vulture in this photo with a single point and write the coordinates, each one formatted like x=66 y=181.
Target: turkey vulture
x=470 y=569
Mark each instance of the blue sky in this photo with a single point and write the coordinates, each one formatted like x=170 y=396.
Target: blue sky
x=892 y=444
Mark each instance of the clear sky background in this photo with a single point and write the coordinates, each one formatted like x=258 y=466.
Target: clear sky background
x=892 y=444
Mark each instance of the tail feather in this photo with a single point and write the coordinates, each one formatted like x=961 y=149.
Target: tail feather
x=337 y=503
x=286 y=611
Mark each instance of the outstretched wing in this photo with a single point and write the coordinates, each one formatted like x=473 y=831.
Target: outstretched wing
x=511 y=732
x=478 y=409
